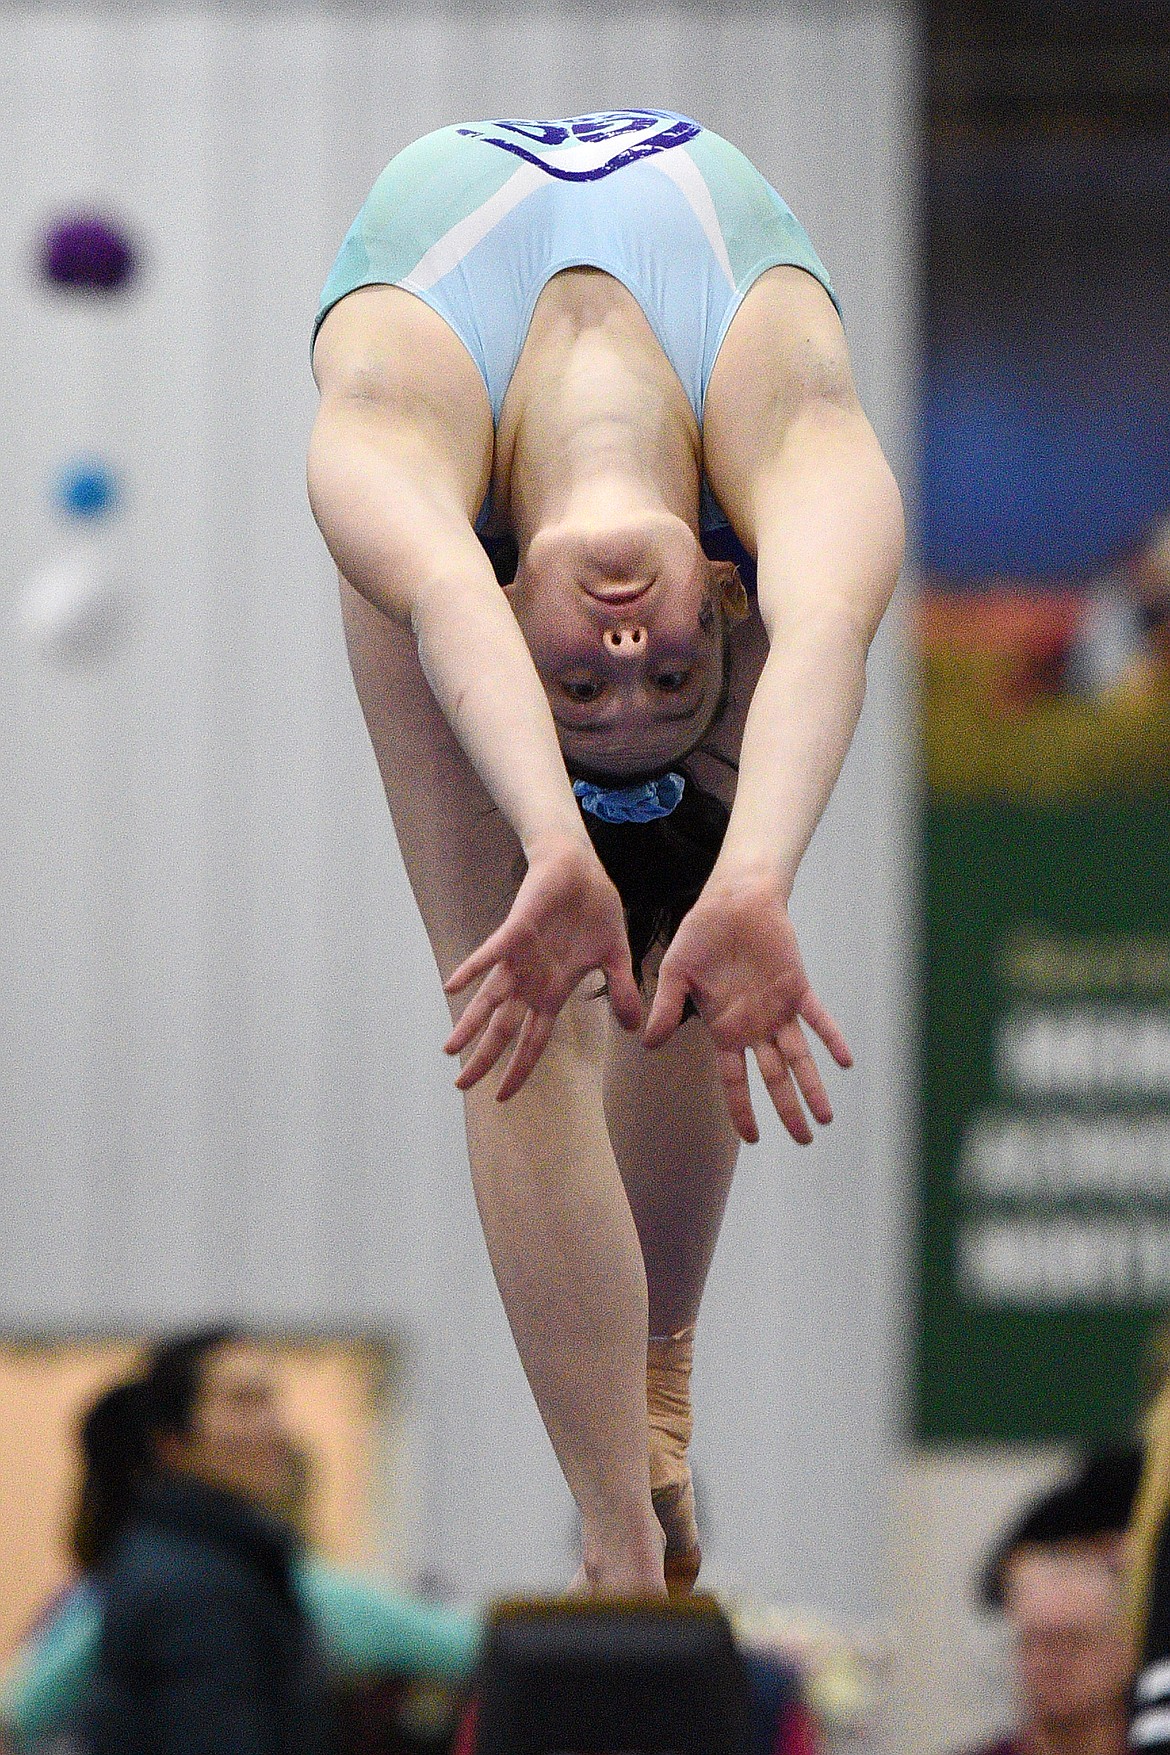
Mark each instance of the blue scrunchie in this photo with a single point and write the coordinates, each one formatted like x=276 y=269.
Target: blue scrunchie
x=643 y=803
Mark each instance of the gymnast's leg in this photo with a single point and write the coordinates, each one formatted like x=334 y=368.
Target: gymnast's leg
x=566 y=1258
x=676 y=1150
x=559 y=1231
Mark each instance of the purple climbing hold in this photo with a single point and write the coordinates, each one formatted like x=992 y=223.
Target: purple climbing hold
x=88 y=252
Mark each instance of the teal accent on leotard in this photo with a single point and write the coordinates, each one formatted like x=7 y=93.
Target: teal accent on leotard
x=476 y=219
x=365 y=1628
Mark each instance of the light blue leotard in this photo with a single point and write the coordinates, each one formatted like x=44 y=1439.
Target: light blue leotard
x=476 y=219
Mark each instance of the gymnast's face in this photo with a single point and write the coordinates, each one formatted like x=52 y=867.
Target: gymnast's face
x=626 y=632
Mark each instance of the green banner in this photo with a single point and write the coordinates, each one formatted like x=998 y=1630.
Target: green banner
x=1044 y=1230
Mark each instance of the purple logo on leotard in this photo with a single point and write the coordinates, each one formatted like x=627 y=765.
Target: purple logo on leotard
x=581 y=149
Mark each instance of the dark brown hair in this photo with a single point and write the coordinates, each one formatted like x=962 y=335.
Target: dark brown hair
x=118 y=1437
x=659 y=868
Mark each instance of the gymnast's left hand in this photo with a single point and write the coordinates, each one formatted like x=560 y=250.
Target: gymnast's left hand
x=736 y=956
x=566 y=921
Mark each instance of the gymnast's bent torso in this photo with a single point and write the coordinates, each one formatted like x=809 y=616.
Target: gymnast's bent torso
x=571 y=374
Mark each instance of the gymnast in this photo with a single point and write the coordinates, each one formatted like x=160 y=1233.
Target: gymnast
x=568 y=372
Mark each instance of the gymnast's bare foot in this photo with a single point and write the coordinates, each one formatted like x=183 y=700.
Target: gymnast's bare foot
x=629 y=1565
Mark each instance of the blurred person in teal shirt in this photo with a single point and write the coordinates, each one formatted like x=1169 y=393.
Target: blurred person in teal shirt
x=362 y=1628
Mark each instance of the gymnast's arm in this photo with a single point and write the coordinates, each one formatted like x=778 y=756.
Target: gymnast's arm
x=391 y=496
x=388 y=502
x=826 y=519
x=796 y=465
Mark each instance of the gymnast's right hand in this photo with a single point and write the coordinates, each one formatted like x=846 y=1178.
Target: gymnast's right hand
x=566 y=921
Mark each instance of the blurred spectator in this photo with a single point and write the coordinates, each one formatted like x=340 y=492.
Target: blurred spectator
x=1122 y=635
x=1057 y=1578
x=366 y=1629
x=1149 y=1582
x=204 y=1647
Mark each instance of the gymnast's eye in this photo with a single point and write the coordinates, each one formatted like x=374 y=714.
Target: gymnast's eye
x=581 y=688
x=670 y=681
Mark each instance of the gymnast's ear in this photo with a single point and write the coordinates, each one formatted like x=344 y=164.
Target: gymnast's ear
x=726 y=580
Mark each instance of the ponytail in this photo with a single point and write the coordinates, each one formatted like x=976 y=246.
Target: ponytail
x=115 y=1456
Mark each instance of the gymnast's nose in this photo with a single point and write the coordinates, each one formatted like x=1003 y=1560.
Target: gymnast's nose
x=627 y=642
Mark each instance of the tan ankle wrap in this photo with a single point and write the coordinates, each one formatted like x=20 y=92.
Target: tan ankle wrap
x=668 y=1403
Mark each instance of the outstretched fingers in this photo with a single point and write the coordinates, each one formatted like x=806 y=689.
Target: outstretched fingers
x=803 y=1067
x=502 y=1027
x=777 y=1076
x=494 y=993
x=819 y=1019
x=478 y=963
x=530 y=1045
x=511 y=1022
x=733 y=1071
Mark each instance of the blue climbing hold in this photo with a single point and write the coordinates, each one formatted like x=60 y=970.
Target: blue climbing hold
x=86 y=489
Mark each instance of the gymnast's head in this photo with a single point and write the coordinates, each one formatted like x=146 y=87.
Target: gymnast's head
x=626 y=624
